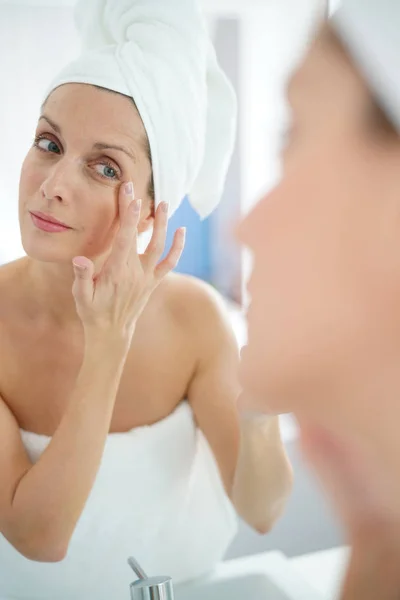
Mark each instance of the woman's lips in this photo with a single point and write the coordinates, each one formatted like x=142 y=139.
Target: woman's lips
x=48 y=226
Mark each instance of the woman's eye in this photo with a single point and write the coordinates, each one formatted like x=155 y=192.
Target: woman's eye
x=47 y=145
x=107 y=171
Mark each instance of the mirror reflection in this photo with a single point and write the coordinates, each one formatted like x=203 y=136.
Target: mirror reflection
x=164 y=391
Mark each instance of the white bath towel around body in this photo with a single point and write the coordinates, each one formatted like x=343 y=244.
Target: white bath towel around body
x=158 y=496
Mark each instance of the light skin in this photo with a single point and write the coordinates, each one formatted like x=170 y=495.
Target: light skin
x=324 y=323
x=83 y=347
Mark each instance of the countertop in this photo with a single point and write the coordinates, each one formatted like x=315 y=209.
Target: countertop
x=324 y=570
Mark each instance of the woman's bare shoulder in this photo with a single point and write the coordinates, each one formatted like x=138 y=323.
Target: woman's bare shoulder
x=10 y=285
x=10 y=271
x=190 y=299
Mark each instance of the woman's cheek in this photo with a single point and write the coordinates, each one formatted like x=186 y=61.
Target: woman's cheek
x=100 y=221
x=31 y=175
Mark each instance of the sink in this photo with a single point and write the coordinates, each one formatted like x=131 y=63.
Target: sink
x=268 y=576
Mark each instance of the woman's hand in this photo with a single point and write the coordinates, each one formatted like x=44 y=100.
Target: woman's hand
x=112 y=301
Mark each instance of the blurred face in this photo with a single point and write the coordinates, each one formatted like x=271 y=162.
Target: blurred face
x=87 y=143
x=324 y=322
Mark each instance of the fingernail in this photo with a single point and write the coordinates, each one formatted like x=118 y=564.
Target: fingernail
x=129 y=189
x=136 y=205
x=80 y=267
x=183 y=235
x=164 y=206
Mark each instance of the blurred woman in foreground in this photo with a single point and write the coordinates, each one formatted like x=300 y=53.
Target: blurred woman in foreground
x=324 y=323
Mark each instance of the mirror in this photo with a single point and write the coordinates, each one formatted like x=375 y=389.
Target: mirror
x=119 y=418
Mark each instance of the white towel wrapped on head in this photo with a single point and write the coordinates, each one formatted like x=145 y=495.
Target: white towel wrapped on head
x=370 y=32
x=159 y=53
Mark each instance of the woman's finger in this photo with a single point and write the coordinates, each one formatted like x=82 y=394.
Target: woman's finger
x=126 y=238
x=156 y=245
x=171 y=260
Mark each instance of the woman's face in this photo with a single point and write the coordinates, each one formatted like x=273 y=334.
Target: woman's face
x=88 y=142
x=324 y=322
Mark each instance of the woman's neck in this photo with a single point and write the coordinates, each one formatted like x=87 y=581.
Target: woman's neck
x=48 y=293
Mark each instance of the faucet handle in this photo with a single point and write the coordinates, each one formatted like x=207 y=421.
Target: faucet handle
x=153 y=588
x=149 y=588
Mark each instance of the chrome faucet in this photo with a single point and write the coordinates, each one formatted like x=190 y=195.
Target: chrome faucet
x=149 y=588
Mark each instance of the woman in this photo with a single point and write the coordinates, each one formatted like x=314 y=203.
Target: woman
x=101 y=457
x=324 y=324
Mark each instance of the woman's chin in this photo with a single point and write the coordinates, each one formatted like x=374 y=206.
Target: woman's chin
x=47 y=251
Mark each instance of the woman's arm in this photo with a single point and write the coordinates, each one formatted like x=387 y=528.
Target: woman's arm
x=250 y=454
x=264 y=475
x=40 y=504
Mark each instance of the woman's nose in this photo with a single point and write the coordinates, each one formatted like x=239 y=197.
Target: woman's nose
x=56 y=186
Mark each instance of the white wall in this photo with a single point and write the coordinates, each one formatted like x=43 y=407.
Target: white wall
x=34 y=44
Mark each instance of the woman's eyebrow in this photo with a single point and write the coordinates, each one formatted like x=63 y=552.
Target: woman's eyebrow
x=51 y=123
x=103 y=146
x=97 y=145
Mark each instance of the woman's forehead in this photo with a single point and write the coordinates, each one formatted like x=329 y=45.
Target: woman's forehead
x=97 y=112
x=325 y=69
